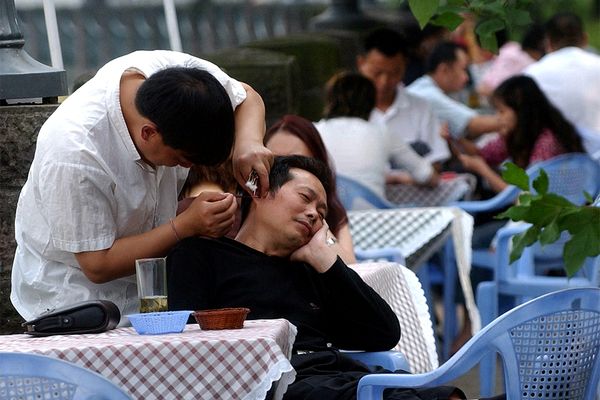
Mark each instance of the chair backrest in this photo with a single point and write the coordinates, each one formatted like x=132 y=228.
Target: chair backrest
x=549 y=346
x=33 y=376
x=356 y=196
x=569 y=175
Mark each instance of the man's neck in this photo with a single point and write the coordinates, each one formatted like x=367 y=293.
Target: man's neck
x=386 y=102
x=255 y=238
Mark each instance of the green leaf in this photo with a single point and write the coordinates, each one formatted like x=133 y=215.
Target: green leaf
x=525 y=198
x=423 y=10
x=515 y=175
x=448 y=20
x=489 y=42
x=577 y=250
x=490 y=26
x=582 y=219
x=523 y=240
x=588 y=197
x=540 y=184
x=494 y=8
x=515 y=213
x=550 y=233
x=518 y=17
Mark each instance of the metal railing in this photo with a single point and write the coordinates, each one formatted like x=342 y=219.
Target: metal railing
x=91 y=36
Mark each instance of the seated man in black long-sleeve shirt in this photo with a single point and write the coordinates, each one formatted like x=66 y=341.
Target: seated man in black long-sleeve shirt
x=283 y=264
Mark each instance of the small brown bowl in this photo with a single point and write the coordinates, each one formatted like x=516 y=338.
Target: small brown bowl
x=221 y=318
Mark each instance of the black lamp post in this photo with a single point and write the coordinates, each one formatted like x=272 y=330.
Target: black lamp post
x=22 y=77
x=344 y=15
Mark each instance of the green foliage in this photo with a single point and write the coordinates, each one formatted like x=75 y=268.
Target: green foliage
x=550 y=215
x=493 y=15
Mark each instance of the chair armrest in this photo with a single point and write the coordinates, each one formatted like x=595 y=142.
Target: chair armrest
x=502 y=199
x=390 y=360
x=392 y=254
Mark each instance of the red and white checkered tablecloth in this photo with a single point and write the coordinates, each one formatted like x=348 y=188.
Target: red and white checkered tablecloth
x=194 y=364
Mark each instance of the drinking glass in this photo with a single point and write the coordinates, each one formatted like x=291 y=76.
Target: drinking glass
x=151 y=274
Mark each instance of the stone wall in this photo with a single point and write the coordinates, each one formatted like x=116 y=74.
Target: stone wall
x=19 y=126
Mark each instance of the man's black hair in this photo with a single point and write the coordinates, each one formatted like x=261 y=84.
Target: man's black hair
x=192 y=112
x=565 y=29
x=280 y=175
x=443 y=53
x=387 y=41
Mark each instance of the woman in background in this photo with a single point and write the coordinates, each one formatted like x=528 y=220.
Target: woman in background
x=293 y=134
x=532 y=130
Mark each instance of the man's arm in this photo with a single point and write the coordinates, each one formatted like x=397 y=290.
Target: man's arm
x=356 y=316
x=481 y=124
x=211 y=214
x=249 y=152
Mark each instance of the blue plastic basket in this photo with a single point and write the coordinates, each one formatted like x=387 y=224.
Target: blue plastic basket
x=157 y=323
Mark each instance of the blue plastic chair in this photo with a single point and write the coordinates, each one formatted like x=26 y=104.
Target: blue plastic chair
x=549 y=348
x=356 y=196
x=34 y=376
x=390 y=360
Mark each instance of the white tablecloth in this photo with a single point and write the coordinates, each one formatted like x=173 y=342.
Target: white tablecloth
x=412 y=229
x=401 y=289
x=194 y=364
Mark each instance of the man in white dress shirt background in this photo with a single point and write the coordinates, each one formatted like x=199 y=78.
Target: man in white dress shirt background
x=407 y=118
x=568 y=74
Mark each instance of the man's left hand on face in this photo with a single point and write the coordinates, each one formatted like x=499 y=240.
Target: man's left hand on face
x=319 y=252
x=251 y=156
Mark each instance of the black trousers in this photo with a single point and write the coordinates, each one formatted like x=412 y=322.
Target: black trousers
x=330 y=375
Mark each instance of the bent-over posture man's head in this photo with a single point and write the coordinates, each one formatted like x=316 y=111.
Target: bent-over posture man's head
x=192 y=114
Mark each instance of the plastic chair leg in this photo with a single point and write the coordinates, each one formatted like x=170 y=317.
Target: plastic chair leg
x=450 y=275
x=487 y=302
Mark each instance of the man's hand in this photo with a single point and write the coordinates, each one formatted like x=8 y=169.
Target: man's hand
x=250 y=155
x=320 y=252
x=211 y=214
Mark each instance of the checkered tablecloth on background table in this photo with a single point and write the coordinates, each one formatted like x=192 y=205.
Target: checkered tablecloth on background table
x=401 y=289
x=413 y=230
x=460 y=187
x=194 y=364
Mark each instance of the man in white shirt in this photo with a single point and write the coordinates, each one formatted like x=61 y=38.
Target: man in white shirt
x=447 y=73
x=408 y=118
x=568 y=74
x=109 y=163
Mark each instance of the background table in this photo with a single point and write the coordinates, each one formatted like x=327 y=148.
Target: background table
x=418 y=233
x=194 y=364
x=401 y=289
x=460 y=187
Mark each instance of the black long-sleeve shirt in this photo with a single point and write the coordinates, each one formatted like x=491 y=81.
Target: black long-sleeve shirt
x=335 y=308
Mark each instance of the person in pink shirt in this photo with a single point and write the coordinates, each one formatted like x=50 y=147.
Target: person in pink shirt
x=512 y=59
x=532 y=130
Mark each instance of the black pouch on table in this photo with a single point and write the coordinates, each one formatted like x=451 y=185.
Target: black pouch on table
x=91 y=316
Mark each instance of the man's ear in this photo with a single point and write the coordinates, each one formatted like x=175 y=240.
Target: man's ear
x=148 y=131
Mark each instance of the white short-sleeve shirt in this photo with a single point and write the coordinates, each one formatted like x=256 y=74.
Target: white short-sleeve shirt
x=455 y=113
x=410 y=119
x=88 y=186
x=362 y=150
x=570 y=78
